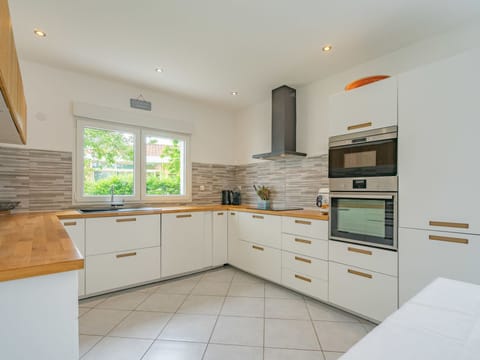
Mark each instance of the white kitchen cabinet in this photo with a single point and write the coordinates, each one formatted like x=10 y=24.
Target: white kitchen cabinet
x=438 y=146
x=121 y=233
x=304 y=283
x=76 y=231
x=317 y=229
x=368 y=107
x=425 y=255
x=260 y=228
x=117 y=270
x=365 y=292
x=220 y=237
x=305 y=245
x=234 y=257
x=264 y=261
x=305 y=265
x=186 y=245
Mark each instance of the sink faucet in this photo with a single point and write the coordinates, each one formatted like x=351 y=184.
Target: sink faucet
x=112 y=198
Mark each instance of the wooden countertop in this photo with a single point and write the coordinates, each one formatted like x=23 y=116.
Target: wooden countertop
x=307 y=214
x=35 y=244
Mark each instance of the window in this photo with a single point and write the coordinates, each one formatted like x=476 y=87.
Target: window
x=137 y=164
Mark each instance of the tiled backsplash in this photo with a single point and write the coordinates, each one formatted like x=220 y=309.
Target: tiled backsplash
x=42 y=180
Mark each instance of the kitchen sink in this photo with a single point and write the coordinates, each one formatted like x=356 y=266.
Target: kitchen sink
x=110 y=209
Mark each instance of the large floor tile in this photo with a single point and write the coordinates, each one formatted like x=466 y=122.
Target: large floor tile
x=332 y=355
x=168 y=303
x=175 y=350
x=243 y=277
x=290 y=334
x=86 y=342
x=338 y=336
x=238 y=331
x=276 y=291
x=118 y=349
x=142 y=325
x=201 y=304
x=247 y=289
x=207 y=287
x=220 y=275
x=82 y=311
x=187 y=327
x=232 y=352
x=286 y=309
x=123 y=301
x=182 y=286
x=243 y=306
x=100 y=321
x=289 y=354
x=320 y=311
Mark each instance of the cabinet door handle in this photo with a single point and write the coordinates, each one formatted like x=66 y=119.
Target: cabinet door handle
x=257 y=247
x=298 y=258
x=448 y=239
x=303 y=222
x=70 y=223
x=303 y=278
x=449 y=224
x=359 y=273
x=126 y=220
x=360 y=251
x=303 y=241
x=257 y=217
x=232 y=214
x=220 y=214
x=126 y=255
x=184 y=216
x=359 y=126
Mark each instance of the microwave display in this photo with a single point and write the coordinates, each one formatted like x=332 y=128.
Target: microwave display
x=368 y=159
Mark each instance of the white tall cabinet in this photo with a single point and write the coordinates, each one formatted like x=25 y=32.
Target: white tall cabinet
x=220 y=235
x=439 y=128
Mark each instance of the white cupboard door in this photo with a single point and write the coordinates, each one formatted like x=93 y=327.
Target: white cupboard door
x=76 y=231
x=113 y=234
x=265 y=262
x=220 y=234
x=233 y=241
x=260 y=228
x=438 y=145
x=185 y=247
x=368 y=107
x=304 y=283
x=317 y=229
x=426 y=255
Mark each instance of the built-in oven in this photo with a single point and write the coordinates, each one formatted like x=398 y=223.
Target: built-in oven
x=371 y=153
x=367 y=218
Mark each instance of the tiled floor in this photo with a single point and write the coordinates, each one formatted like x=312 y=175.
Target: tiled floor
x=219 y=314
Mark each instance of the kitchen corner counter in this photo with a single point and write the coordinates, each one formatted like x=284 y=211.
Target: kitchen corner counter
x=35 y=244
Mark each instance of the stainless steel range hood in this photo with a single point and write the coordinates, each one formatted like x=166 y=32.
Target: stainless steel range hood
x=284 y=125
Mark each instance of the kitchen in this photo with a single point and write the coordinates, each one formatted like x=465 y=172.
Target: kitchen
x=73 y=83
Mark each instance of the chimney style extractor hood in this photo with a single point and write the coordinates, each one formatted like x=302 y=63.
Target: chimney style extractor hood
x=284 y=125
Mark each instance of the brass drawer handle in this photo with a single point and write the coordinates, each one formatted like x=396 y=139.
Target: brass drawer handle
x=70 y=223
x=232 y=214
x=303 y=241
x=257 y=217
x=359 y=126
x=257 y=247
x=303 y=222
x=126 y=220
x=184 y=216
x=220 y=214
x=448 y=239
x=298 y=258
x=303 y=278
x=449 y=224
x=355 y=272
x=126 y=255
x=360 y=251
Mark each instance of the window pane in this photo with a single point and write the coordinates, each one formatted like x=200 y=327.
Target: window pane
x=164 y=166
x=108 y=160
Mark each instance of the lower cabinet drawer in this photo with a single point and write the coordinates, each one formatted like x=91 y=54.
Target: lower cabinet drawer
x=265 y=262
x=111 y=271
x=365 y=292
x=306 y=284
x=305 y=265
x=305 y=245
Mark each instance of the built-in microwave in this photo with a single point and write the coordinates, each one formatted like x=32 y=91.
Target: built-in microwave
x=371 y=153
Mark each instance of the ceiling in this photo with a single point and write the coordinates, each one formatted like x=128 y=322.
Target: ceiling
x=209 y=48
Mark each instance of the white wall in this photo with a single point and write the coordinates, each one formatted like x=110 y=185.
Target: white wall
x=253 y=123
x=50 y=93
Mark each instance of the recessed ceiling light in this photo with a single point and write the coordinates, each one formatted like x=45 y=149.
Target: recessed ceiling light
x=39 y=33
x=327 y=48
x=159 y=70
x=234 y=93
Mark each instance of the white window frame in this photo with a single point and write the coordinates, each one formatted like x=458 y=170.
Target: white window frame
x=140 y=134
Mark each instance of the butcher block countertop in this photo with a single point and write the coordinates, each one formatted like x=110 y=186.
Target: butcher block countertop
x=306 y=214
x=35 y=244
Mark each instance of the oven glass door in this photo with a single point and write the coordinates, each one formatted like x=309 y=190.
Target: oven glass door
x=366 y=219
x=377 y=158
